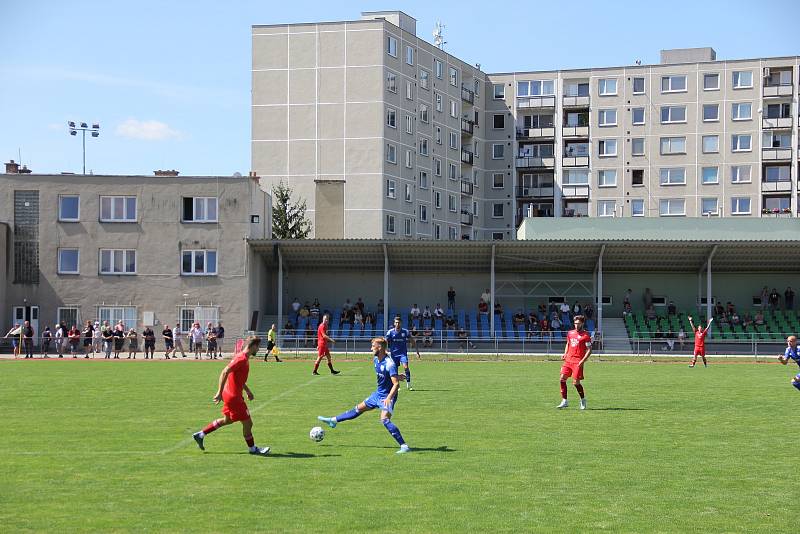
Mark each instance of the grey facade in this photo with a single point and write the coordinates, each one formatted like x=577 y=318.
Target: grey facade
x=150 y=250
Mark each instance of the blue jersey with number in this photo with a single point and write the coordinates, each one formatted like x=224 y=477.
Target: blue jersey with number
x=398 y=342
x=385 y=369
x=792 y=354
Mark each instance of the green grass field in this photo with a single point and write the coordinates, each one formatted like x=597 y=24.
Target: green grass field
x=106 y=446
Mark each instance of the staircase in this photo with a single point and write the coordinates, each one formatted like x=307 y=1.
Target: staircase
x=615 y=337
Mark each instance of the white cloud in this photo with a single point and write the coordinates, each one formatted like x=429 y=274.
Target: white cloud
x=146 y=130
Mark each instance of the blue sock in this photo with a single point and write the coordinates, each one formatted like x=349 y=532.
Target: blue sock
x=796 y=384
x=408 y=374
x=346 y=416
x=394 y=431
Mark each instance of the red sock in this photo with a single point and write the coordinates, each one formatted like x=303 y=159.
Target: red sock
x=250 y=441
x=564 y=390
x=210 y=427
x=579 y=387
x=316 y=366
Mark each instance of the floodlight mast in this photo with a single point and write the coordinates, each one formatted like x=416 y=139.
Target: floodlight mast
x=83 y=128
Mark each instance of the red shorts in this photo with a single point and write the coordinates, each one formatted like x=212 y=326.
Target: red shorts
x=323 y=350
x=236 y=409
x=701 y=351
x=572 y=369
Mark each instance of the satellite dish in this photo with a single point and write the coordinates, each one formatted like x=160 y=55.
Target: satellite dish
x=237 y=174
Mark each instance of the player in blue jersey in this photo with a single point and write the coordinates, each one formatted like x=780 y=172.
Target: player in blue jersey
x=792 y=353
x=398 y=338
x=384 y=396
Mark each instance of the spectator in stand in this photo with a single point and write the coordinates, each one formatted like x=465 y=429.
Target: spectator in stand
x=719 y=309
x=730 y=308
x=450 y=323
x=519 y=318
x=764 y=297
x=88 y=332
x=451 y=299
x=483 y=307
x=211 y=341
x=577 y=308
x=626 y=309
x=197 y=335
x=169 y=341
x=672 y=309
x=426 y=313
x=220 y=338
x=97 y=338
x=498 y=309
x=149 y=339
x=358 y=319
x=133 y=343
x=27 y=338
x=552 y=308
x=588 y=311
x=565 y=317
x=627 y=297
x=788 y=298
x=759 y=318
x=647 y=298
x=669 y=339
x=313 y=311
x=734 y=318
x=177 y=340
x=379 y=307
x=681 y=336
x=288 y=329
x=369 y=319
x=555 y=324
x=544 y=326
x=14 y=335
x=296 y=306
x=119 y=339
x=486 y=296
x=774 y=299
x=438 y=312
x=305 y=311
x=747 y=320
x=463 y=339
x=47 y=338
x=74 y=337
x=532 y=324
x=347 y=306
x=427 y=337
x=415 y=312
x=108 y=340
x=360 y=305
x=650 y=313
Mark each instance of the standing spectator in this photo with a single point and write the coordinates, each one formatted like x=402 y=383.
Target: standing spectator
x=220 y=338
x=314 y=310
x=14 y=334
x=149 y=337
x=627 y=297
x=305 y=311
x=97 y=338
x=177 y=342
x=211 y=341
x=74 y=337
x=577 y=308
x=60 y=337
x=565 y=317
x=681 y=337
x=47 y=338
x=347 y=306
x=196 y=333
x=119 y=339
x=379 y=307
x=788 y=298
x=672 y=309
x=296 y=306
x=108 y=340
x=486 y=296
x=764 y=297
x=360 y=305
x=169 y=342
x=451 y=299
x=774 y=299
x=588 y=311
x=133 y=343
x=88 y=334
x=483 y=307
x=27 y=338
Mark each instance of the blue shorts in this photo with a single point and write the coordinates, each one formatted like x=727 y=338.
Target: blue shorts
x=376 y=401
x=797 y=377
x=403 y=358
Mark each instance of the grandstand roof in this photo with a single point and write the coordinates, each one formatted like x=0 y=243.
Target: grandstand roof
x=565 y=245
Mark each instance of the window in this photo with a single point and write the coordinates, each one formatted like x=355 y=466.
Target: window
x=409 y=124
x=437 y=199
x=637 y=176
x=710 y=112
x=498 y=180
x=711 y=82
x=710 y=144
x=607 y=147
x=708 y=206
x=475 y=208
x=409 y=159
x=69 y=208
x=68 y=261
x=438 y=102
x=776 y=140
x=200 y=314
x=68 y=316
x=638 y=86
x=637 y=146
x=742 y=79
x=438 y=68
x=741 y=111
x=740 y=206
x=671 y=207
x=606 y=208
x=113 y=261
x=453 y=109
x=741 y=143
x=391 y=118
x=498 y=121
x=454 y=140
x=407 y=227
x=673 y=176
x=672 y=114
x=437 y=166
x=576 y=177
x=607 y=117
x=452 y=203
x=779 y=111
x=391 y=82
x=438 y=135
x=607 y=178
x=423 y=213
x=424 y=75
x=710 y=175
x=453 y=77
x=451 y=233
x=476 y=87
x=199 y=262
x=498 y=210
x=391 y=153
x=673 y=145
x=777 y=173
x=409 y=91
x=497 y=236
x=114 y=314
x=423 y=146
x=437 y=231
x=391 y=189
x=409 y=55
x=117 y=209
x=673 y=84
x=390 y=224
x=423 y=179
x=536 y=88
x=740 y=174
x=391 y=46
x=499 y=91
x=452 y=172
x=577 y=89
x=637 y=207
x=199 y=209
x=637 y=116
x=423 y=113
x=607 y=86
x=497 y=150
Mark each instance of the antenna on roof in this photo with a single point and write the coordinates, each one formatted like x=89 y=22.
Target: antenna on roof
x=438 y=37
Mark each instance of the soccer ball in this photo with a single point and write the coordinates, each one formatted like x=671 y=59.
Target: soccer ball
x=317 y=434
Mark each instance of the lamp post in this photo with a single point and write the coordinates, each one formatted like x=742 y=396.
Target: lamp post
x=83 y=128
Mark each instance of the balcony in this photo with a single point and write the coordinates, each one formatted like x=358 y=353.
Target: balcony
x=575 y=161
x=776 y=187
x=527 y=162
x=575 y=131
x=776 y=122
x=467 y=95
x=467 y=126
x=532 y=133
x=527 y=102
x=467 y=188
x=776 y=154
x=778 y=90
x=466 y=218
x=575 y=101
x=575 y=191
x=467 y=157
x=545 y=191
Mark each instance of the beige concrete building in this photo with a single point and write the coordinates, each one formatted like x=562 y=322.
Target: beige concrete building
x=388 y=136
x=149 y=250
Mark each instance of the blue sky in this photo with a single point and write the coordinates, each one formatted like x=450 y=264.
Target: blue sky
x=169 y=81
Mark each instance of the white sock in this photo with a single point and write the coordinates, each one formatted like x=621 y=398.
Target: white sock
x=201 y=434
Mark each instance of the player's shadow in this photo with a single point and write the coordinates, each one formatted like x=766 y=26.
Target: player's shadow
x=616 y=409
x=429 y=389
x=290 y=455
x=443 y=448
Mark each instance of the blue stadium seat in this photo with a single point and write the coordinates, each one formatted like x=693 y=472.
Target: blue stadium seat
x=460 y=318
x=590 y=324
x=346 y=330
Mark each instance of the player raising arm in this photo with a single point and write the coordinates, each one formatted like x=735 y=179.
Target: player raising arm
x=792 y=353
x=699 y=341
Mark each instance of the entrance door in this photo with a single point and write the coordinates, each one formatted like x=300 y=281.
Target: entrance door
x=28 y=313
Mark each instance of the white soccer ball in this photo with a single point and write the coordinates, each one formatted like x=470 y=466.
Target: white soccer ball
x=317 y=434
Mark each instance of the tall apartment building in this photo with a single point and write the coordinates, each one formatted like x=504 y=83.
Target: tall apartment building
x=388 y=136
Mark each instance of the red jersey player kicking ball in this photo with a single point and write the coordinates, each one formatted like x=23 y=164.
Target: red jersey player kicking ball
x=699 y=341
x=232 y=381
x=577 y=351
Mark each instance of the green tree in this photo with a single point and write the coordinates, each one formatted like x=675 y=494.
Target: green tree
x=288 y=217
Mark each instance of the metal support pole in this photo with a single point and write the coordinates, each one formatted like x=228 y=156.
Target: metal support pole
x=599 y=306
x=280 y=289
x=491 y=298
x=385 y=289
x=84 y=151
x=708 y=288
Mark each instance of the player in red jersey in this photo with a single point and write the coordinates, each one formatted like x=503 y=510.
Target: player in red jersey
x=323 y=351
x=699 y=341
x=576 y=352
x=232 y=382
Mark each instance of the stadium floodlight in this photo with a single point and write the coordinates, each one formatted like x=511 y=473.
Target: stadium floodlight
x=94 y=131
